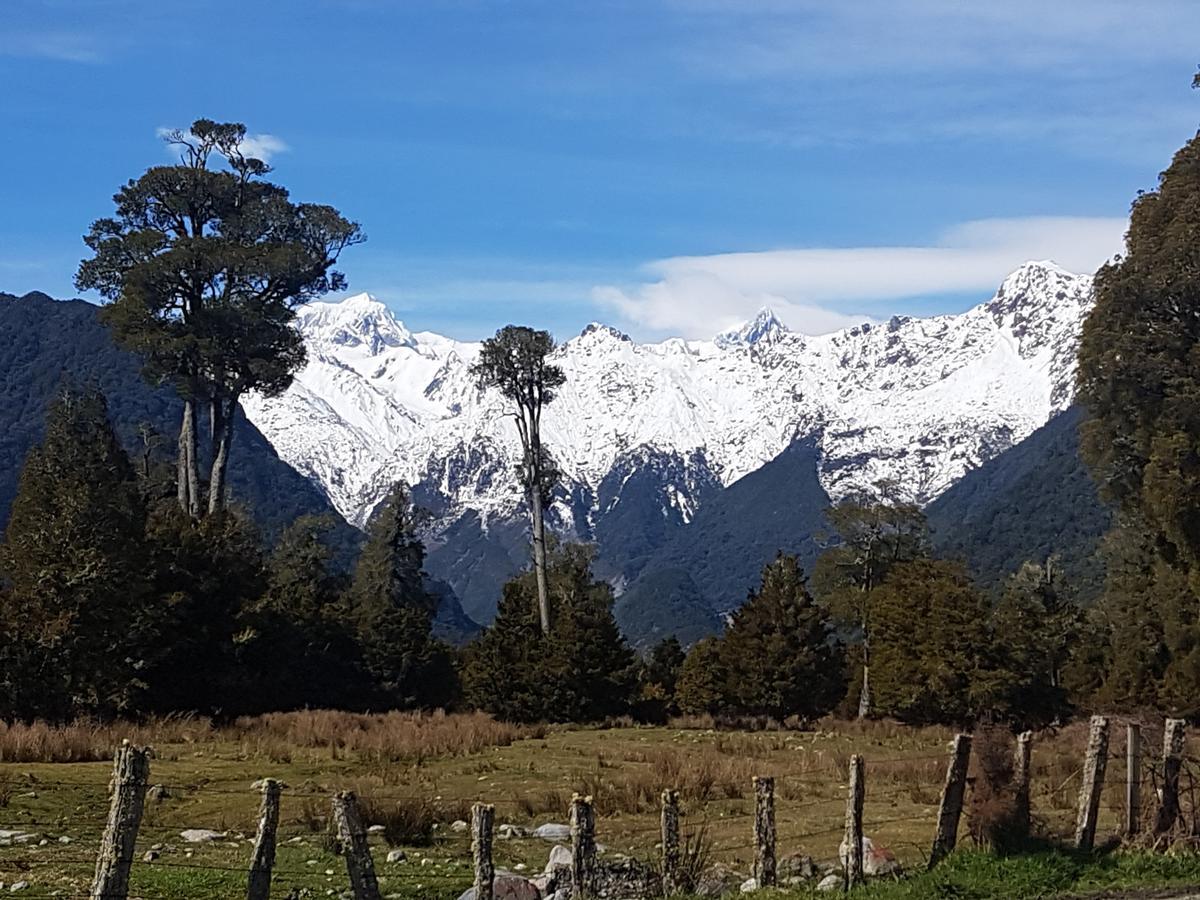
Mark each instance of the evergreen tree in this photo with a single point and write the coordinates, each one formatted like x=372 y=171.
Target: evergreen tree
x=873 y=537
x=393 y=610
x=296 y=628
x=930 y=643
x=582 y=671
x=210 y=575
x=78 y=615
x=779 y=654
x=702 y=683
x=657 y=678
x=516 y=362
x=204 y=267
x=1035 y=629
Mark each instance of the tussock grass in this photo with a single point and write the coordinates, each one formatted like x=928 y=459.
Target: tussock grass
x=386 y=737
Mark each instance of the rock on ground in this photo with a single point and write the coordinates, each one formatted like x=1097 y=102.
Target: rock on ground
x=553 y=831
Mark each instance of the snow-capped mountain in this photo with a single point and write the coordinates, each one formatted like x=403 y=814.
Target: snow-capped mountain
x=916 y=401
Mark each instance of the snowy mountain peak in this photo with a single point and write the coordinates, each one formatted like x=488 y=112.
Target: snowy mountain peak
x=764 y=328
x=604 y=331
x=358 y=321
x=916 y=400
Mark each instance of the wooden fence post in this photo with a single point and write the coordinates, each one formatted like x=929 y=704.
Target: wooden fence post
x=583 y=847
x=131 y=772
x=764 y=831
x=1172 y=761
x=852 y=861
x=258 y=886
x=670 y=842
x=482 y=816
x=1133 y=778
x=950 y=808
x=1094 y=764
x=1021 y=776
x=353 y=837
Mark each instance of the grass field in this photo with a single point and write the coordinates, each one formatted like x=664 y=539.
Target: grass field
x=416 y=775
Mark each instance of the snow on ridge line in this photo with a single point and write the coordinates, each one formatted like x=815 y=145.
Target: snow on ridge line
x=919 y=400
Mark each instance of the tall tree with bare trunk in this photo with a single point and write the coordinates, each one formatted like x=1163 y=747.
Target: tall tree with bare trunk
x=516 y=362
x=203 y=265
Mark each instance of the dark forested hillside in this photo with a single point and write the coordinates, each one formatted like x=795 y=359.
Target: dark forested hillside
x=1031 y=501
x=706 y=568
x=44 y=341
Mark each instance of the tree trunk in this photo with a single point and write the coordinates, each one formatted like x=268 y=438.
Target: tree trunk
x=539 y=554
x=223 y=437
x=187 y=469
x=864 y=696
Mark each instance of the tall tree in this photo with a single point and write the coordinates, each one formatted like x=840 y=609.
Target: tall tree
x=779 y=653
x=203 y=267
x=79 y=614
x=1139 y=366
x=392 y=610
x=872 y=538
x=516 y=362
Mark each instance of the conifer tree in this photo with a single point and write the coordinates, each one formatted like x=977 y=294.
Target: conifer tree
x=930 y=643
x=657 y=678
x=583 y=671
x=779 y=654
x=203 y=266
x=702 y=682
x=393 y=610
x=296 y=628
x=77 y=616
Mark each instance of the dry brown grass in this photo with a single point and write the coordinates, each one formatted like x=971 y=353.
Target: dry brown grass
x=383 y=737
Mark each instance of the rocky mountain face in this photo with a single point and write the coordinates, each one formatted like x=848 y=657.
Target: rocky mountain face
x=647 y=435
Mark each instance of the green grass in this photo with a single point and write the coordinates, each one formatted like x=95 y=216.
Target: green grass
x=1039 y=874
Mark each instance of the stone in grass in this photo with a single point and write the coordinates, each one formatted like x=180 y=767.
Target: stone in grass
x=559 y=856
x=750 y=884
x=507 y=887
x=507 y=832
x=459 y=825
x=831 y=882
x=395 y=856
x=717 y=882
x=377 y=829
x=797 y=867
x=878 y=861
x=18 y=886
x=553 y=831
x=201 y=835
x=8 y=838
x=150 y=856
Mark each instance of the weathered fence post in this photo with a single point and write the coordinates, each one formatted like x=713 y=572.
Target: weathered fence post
x=1172 y=761
x=764 y=831
x=852 y=861
x=353 y=837
x=670 y=842
x=131 y=771
x=1021 y=776
x=482 y=816
x=583 y=847
x=1094 y=764
x=258 y=887
x=950 y=808
x=1133 y=778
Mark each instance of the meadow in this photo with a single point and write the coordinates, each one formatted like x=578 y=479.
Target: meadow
x=417 y=774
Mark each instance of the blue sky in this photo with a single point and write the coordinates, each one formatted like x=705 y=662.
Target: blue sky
x=667 y=167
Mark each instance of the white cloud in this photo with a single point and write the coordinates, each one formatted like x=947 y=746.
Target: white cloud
x=61 y=46
x=258 y=146
x=816 y=290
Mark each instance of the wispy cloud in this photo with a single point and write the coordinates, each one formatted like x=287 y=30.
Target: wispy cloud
x=816 y=290
x=61 y=46
x=258 y=146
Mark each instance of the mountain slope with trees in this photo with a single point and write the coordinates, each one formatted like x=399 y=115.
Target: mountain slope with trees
x=1031 y=502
